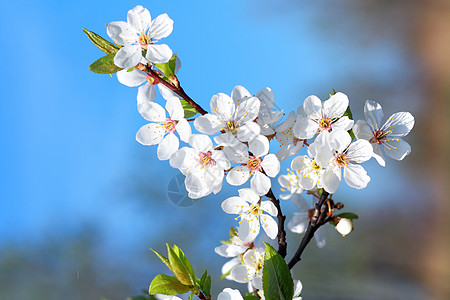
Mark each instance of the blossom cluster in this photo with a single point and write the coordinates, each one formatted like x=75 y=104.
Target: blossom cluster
x=233 y=141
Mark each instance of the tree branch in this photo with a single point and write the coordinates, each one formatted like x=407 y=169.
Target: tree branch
x=318 y=219
x=282 y=244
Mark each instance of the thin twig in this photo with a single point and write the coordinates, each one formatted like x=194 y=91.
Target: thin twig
x=282 y=244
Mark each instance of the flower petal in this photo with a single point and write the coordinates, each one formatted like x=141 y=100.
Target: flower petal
x=269 y=208
x=269 y=225
x=336 y=106
x=158 y=53
x=161 y=27
x=396 y=148
x=373 y=113
x=226 y=139
x=150 y=134
x=298 y=223
x=234 y=205
x=260 y=183
x=128 y=56
x=362 y=130
x=223 y=107
x=378 y=155
x=238 y=175
x=312 y=107
x=131 y=79
x=168 y=146
x=201 y=142
x=239 y=273
x=184 y=130
x=240 y=94
x=360 y=151
x=300 y=202
x=331 y=179
x=151 y=111
x=271 y=165
x=248 y=230
x=237 y=154
x=122 y=33
x=248 y=131
x=146 y=94
x=267 y=99
x=343 y=123
x=259 y=146
x=208 y=124
x=139 y=17
x=305 y=128
x=355 y=176
x=320 y=237
x=247 y=111
x=400 y=124
x=174 y=108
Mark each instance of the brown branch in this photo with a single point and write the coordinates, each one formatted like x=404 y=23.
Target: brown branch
x=176 y=89
x=282 y=244
x=318 y=219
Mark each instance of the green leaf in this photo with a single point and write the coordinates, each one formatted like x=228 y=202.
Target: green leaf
x=191 y=296
x=207 y=286
x=347 y=215
x=184 y=260
x=105 y=65
x=225 y=275
x=180 y=269
x=277 y=280
x=169 y=67
x=189 y=111
x=100 y=42
x=233 y=232
x=167 y=285
x=251 y=298
x=348 y=113
x=164 y=259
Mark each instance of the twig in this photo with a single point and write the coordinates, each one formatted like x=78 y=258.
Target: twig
x=282 y=244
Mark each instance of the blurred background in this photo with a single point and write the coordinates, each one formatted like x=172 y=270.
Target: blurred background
x=82 y=202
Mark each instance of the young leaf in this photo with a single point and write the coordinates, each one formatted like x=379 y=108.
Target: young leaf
x=184 y=260
x=179 y=268
x=100 y=42
x=207 y=286
x=164 y=260
x=347 y=215
x=277 y=280
x=251 y=298
x=189 y=111
x=169 y=67
x=105 y=65
x=225 y=275
x=167 y=285
x=233 y=232
x=348 y=113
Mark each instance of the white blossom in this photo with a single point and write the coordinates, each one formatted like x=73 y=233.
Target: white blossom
x=235 y=120
x=252 y=212
x=202 y=165
x=285 y=136
x=251 y=268
x=344 y=226
x=139 y=34
x=162 y=130
x=389 y=135
x=234 y=248
x=230 y=294
x=319 y=117
x=253 y=164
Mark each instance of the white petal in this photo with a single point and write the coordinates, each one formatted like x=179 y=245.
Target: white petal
x=269 y=225
x=259 y=146
x=355 y=176
x=166 y=92
x=249 y=195
x=239 y=273
x=168 y=146
x=234 y=205
x=343 y=123
x=229 y=294
x=248 y=230
x=331 y=179
x=237 y=154
x=267 y=99
x=150 y=110
x=223 y=107
x=312 y=107
x=248 y=131
x=304 y=128
x=122 y=33
x=240 y=94
x=336 y=106
x=257 y=282
x=324 y=156
x=297 y=288
x=197 y=187
x=238 y=175
x=373 y=113
x=288 y=123
x=396 y=148
x=184 y=130
x=229 y=265
x=260 y=183
x=378 y=155
x=339 y=140
x=146 y=94
x=131 y=79
x=400 y=124
x=300 y=162
x=298 y=223
x=174 y=108
x=271 y=165
x=201 y=142
x=128 y=56
x=226 y=139
x=360 y=151
x=150 y=134
x=161 y=27
x=158 y=53
x=269 y=208
x=139 y=17
x=362 y=130
x=208 y=124
x=320 y=237
x=247 y=111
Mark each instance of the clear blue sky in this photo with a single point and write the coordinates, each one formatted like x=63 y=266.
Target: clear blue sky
x=68 y=135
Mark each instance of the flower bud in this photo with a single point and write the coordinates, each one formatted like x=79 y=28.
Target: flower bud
x=344 y=226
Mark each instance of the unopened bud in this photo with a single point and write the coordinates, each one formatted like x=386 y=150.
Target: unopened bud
x=339 y=205
x=344 y=226
x=174 y=80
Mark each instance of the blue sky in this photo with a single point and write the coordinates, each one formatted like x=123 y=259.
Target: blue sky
x=68 y=150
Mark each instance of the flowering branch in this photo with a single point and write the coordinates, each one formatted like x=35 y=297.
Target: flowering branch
x=282 y=244
x=318 y=219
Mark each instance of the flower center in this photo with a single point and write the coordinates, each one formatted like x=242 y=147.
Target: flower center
x=379 y=137
x=314 y=166
x=254 y=163
x=231 y=126
x=205 y=159
x=144 y=40
x=255 y=209
x=325 y=124
x=169 y=125
x=151 y=80
x=341 y=160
